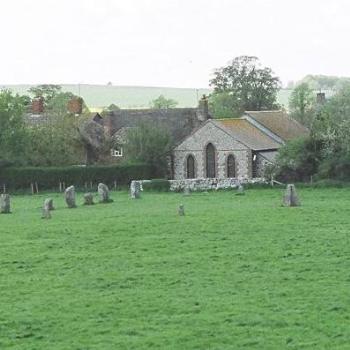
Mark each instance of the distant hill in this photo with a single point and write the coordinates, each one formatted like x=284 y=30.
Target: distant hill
x=99 y=96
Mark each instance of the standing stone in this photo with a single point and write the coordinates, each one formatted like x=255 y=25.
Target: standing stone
x=69 y=195
x=46 y=213
x=48 y=204
x=240 y=191
x=135 y=189
x=88 y=199
x=187 y=191
x=290 y=198
x=181 y=210
x=5 y=204
x=103 y=192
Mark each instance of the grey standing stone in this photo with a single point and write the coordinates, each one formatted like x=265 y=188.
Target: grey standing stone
x=46 y=213
x=181 y=210
x=135 y=189
x=240 y=191
x=290 y=198
x=88 y=199
x=69 y=195
x=187 y=191
x=5 y=204
x=103 y=192
x=48 y=204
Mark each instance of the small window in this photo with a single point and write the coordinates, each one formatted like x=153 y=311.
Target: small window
x=117 y=152
x=231 y=166
x=190 y=167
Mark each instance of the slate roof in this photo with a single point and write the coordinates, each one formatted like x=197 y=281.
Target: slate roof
x=279 y=123
x=247 y=133
x=178 y=121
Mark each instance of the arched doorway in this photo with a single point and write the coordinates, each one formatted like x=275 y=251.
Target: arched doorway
x=231 y=166
x=190 y=167
x=210 y=161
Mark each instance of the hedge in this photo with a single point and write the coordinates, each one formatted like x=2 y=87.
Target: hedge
x=79 y=176
x=157 y=185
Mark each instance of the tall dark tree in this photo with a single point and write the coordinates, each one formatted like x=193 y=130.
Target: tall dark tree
x=249 y=85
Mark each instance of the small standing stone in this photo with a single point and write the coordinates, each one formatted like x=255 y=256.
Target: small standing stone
x=103 y=192
x=290 y=198
x=48 y=204
x=240 y=191
x=69 y=195
x=46 y=213
x=5 y=204
x=187 y=191
x=181 y=210
x=135 y=189
x=88 y=199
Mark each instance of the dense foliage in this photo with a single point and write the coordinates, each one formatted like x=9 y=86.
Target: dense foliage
x=53 y=141
x=302 y=104
x=248 y=85
x=326 y=153
x=13 y=139
x=148 y=143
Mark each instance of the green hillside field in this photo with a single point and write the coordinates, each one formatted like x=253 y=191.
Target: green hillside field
x=99 y=96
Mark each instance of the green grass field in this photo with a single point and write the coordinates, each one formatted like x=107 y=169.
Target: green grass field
x=237 y=272
x=99 y=96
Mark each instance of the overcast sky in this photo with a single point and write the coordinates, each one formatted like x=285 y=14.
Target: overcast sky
x=168 y=42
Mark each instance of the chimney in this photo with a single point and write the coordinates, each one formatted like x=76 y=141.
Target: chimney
x=203 y=108
x=75 y=105
x=37 y=105
x=108 y=124
x=321 y=98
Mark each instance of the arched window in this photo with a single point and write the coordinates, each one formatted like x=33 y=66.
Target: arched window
x=190 y=167
x=210 y=161
x=231 y=166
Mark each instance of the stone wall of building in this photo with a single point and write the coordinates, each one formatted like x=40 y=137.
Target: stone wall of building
x=224 y=144
x=209 y=184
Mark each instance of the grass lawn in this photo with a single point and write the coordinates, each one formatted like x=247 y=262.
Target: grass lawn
x=237 y=272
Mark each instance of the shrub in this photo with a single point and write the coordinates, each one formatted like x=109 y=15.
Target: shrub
x=49 y=178
x=298 y=160
x=158 y=185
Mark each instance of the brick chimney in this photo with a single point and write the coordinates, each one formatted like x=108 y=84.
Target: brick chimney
x=321 y=98
x=203 y=109
x=38 y=105
x=75 y=105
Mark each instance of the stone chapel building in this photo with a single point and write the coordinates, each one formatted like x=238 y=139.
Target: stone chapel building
x=234 y=148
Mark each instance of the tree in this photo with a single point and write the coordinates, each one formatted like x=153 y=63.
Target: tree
x=251 y=86
x=301 y=104
x=148 y=143
x=46 y=91
x=326 y=153
x=56 y=142
x=224 y=105
x=163 y=103
x=13 y=137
